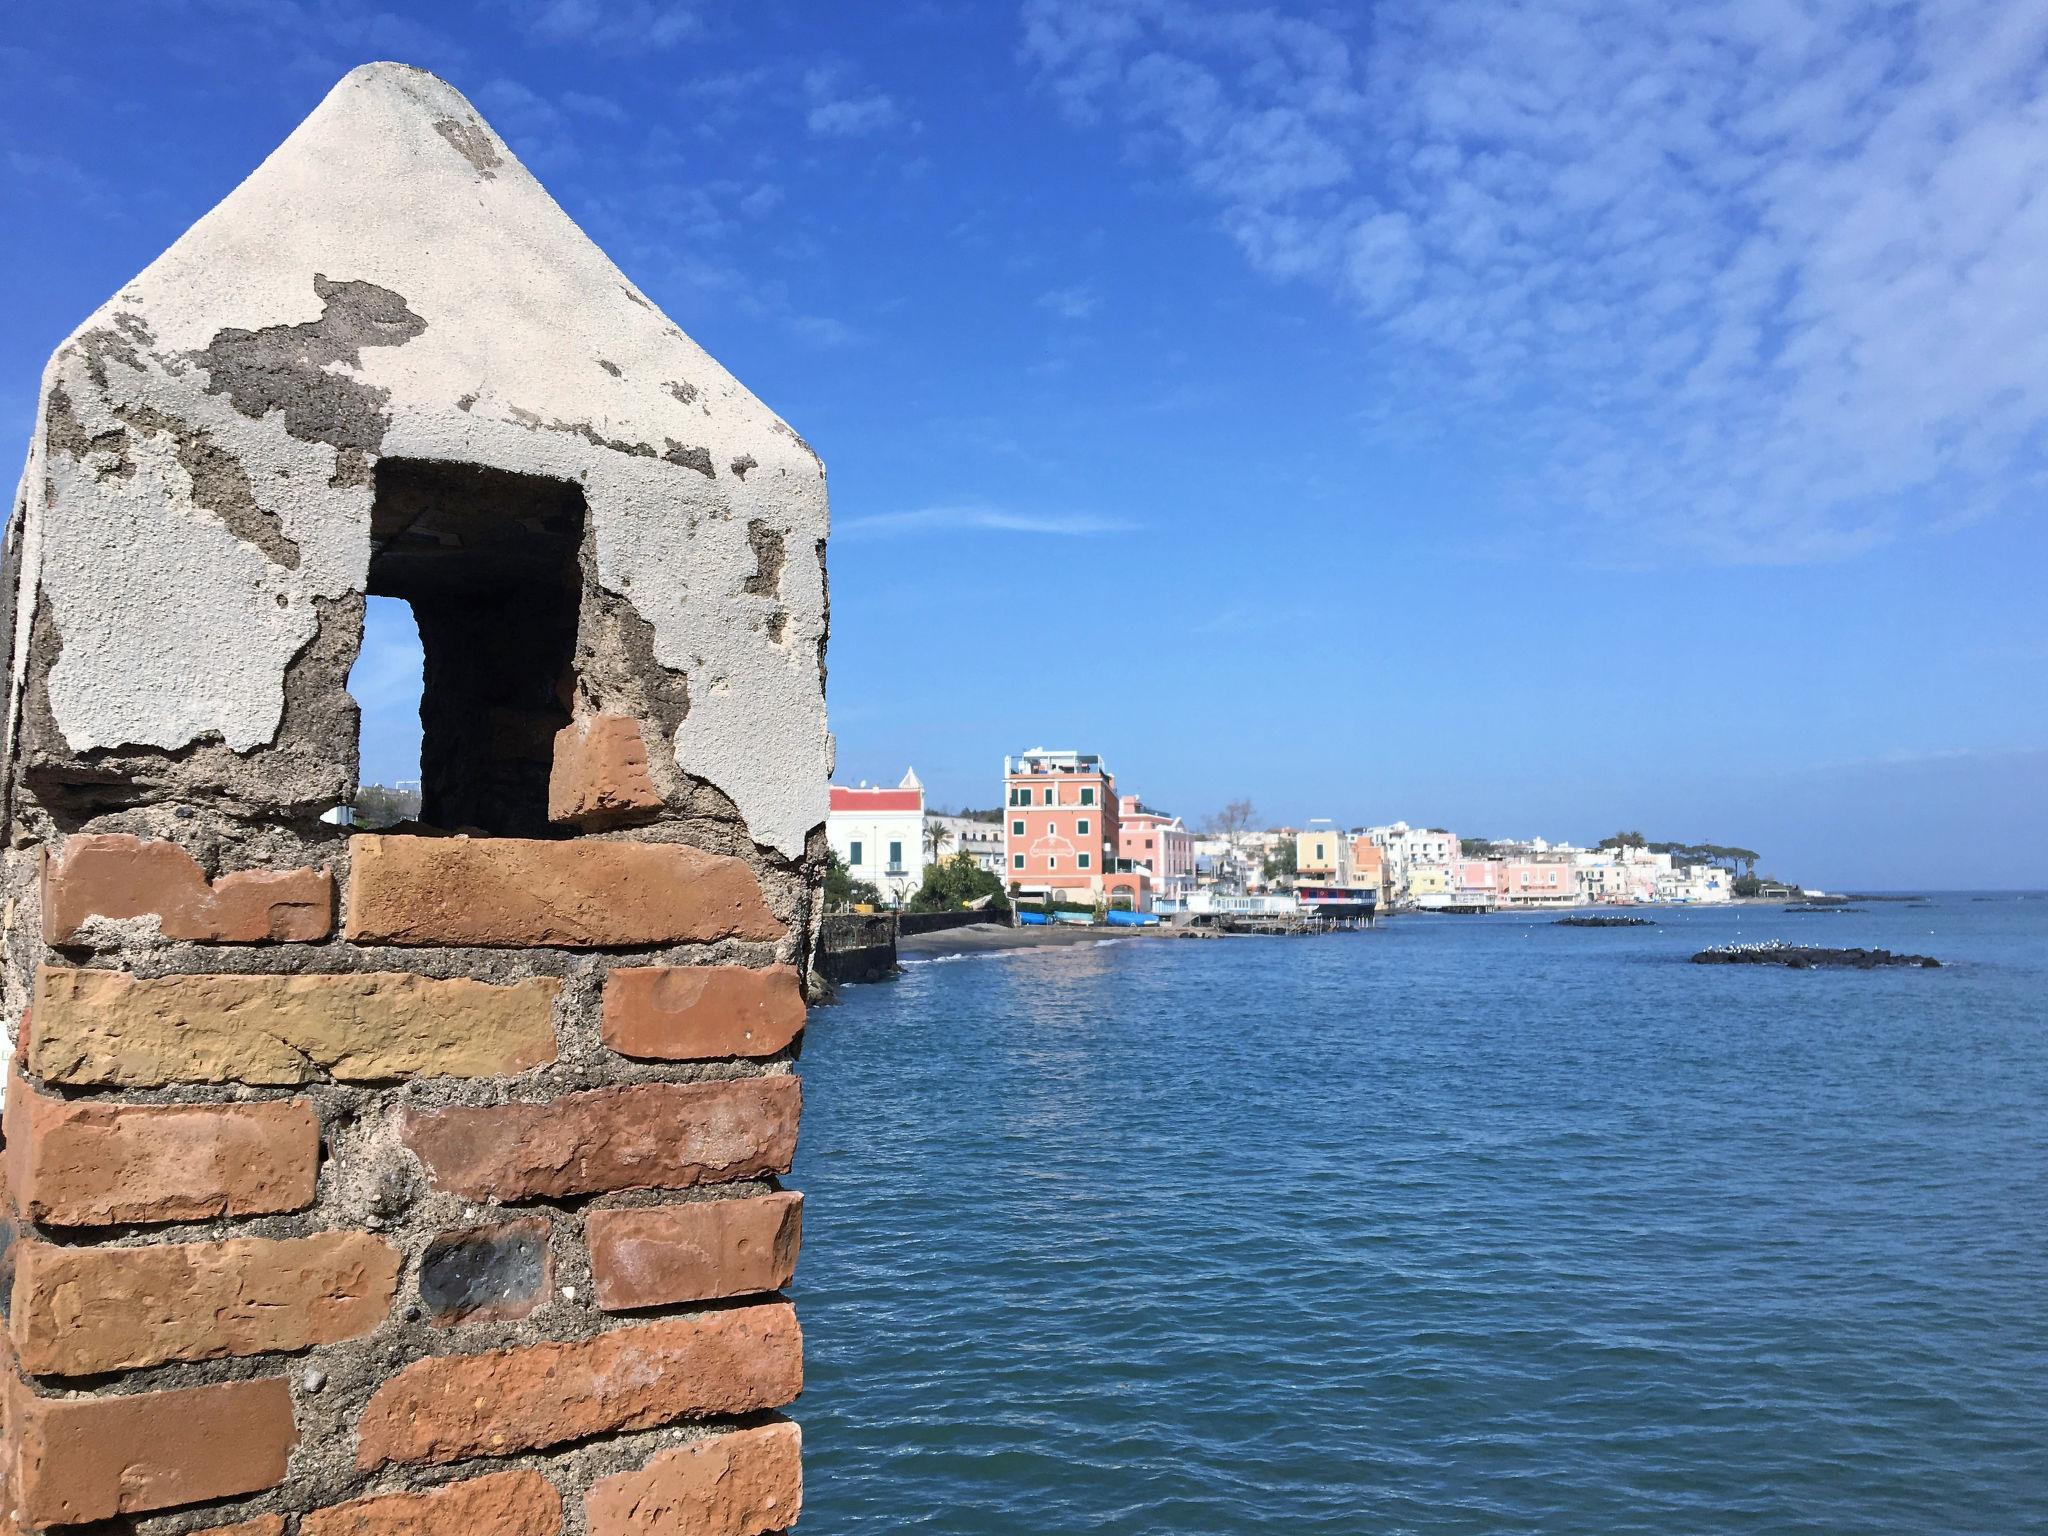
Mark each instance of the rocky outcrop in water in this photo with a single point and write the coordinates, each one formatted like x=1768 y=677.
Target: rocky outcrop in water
x=1603 y=922
x=1805 y=957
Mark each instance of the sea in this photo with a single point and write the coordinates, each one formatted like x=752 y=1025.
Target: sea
x=1458 y=1225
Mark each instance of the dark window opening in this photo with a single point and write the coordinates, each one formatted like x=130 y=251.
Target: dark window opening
x=487 y=560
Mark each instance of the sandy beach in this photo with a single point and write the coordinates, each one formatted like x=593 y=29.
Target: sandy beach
x=982 y=938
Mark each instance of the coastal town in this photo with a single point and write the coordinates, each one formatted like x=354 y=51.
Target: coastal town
x=1066 y=839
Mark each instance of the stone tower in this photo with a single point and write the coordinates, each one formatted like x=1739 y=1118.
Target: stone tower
x=424 y=1179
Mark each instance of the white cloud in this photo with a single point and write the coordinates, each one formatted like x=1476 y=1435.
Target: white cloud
x=1075 y=303
x=979 y=519
x=840 y=112
x=594 y=106
x=610 y=26
x=1756 y=282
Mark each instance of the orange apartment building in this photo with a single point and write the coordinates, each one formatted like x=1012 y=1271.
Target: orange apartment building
x=1060 y=828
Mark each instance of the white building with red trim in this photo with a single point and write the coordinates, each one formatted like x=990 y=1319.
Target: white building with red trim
x=879 y=835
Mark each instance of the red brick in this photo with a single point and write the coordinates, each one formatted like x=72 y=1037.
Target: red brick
x=659 y=1255
x=87 y=1163
x=694 y=1012
x=263 y=1525
x=503 y=1504
x=739 y=1484
x=643 y=1136
x=511 y=1400
x=600 y=774
x=578 y=894
x=80 y=1311
x=122 y=877
x=79 y=1459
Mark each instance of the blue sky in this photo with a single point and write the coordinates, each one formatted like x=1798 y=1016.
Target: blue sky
x=1528 y=420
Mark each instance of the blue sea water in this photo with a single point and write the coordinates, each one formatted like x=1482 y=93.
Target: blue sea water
x=1461 y=1225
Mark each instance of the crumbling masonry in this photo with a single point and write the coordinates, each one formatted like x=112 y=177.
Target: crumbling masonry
x=425 y=1180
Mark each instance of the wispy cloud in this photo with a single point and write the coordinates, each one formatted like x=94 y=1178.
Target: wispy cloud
x=1075 y=303
x=980 y=519
x=610 y=26
x=1759 y=283
x=840 y=111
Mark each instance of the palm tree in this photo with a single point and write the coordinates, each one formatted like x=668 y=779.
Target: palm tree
x=935 y=839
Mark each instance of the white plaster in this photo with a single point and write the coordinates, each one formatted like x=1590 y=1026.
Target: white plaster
x=521 y=309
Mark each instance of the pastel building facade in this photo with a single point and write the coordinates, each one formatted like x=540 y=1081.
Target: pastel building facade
x=1322 y=852
x=980 y=840
x=1369 y=866
x=1061 y=826
x=1406 y=848
x=1537 y=883
x=1160 y=844
x=879 y=835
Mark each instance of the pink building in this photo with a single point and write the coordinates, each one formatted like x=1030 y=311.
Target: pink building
x=1159 y=843
x=1528 y=883
x=1480 y=877
x=1059 y=824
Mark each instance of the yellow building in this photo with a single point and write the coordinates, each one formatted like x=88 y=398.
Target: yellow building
x=1429 y=880
x=1322 y=853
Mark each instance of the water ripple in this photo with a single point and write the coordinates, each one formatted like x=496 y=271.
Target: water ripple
x=1456 y=1227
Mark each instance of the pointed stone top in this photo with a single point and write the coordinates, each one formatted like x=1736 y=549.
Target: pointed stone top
x=391 y=283
x=911 y=780
x=396 y=215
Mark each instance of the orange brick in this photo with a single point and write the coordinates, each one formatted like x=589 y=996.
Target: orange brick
x=738 y=1484
x=643 y=1136
x=660 y=1255
x=83 y=1163
x=121 y=877
x=693 y=1012
x=579 y=894
x=78 y=1459
x=511 y=1400
x=80 y=1311
x=503 y=1504
x=600 y=774
x=263 y=1525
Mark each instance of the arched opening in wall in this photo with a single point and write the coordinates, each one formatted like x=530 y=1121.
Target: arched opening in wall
x=487 y=562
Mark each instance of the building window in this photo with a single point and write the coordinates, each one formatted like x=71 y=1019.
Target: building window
x=1087 y=795
x=1016 y=861
x=1083 y=860
x=1016 y=829
x=895 y=855
x=1081 y=827
x=854 y=857
x=1051 y=862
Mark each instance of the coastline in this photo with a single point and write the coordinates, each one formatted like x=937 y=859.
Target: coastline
x=990 y=938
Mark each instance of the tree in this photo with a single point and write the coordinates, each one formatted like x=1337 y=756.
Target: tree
x=1475 y=847
x=936 y=836
x=1623 y=840
x=1232 y=821
x=841 y=889
x=379 y=805
x=1746 y=885
x=1280 y=863
x=952 y=885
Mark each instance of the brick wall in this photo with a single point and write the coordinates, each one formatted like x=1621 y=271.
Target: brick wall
x=425 y=1181
x=431 y=1187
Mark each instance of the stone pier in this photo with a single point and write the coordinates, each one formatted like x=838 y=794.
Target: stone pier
x=425 y=1180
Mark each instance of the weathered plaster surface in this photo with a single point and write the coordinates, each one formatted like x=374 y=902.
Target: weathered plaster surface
x=393 y=282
